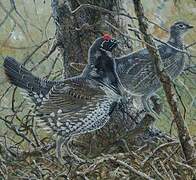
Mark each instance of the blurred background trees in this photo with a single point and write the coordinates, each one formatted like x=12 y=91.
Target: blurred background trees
x=48 y=37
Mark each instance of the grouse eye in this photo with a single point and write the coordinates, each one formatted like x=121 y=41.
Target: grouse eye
x=181 y=25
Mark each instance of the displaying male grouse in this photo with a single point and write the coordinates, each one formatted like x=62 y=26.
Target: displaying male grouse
x=76 y=105
x=137 y=71
x=38 y=88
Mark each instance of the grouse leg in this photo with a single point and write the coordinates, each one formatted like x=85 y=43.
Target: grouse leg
x=146 y=105
x=71 y=154
x=59 y=143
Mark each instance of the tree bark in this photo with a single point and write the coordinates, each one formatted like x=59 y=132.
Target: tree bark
x=76 y=28
x=183 y=132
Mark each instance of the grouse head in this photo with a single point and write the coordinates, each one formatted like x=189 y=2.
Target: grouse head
x=106 y=43
x=179 y=28
x=101 y=61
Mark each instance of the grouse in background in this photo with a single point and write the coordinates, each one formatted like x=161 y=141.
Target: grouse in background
x=137 y=71
x=76 y=105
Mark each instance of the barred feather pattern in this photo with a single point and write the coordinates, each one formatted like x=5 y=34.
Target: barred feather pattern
x=139 y=77
x=137 y=71
x=62 y=124
x=32 y=86
x=88 y=114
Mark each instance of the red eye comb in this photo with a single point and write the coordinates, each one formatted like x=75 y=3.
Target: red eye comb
x=107 y=37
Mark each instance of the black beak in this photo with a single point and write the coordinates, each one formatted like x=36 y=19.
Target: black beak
x=190 y=26
x=114 y=44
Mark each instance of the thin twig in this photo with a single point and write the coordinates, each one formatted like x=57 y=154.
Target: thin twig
x=132 y=169
x=162 y=146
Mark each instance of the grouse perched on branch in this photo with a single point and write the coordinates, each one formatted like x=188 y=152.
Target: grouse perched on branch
x=76 y=105
x=137 y=71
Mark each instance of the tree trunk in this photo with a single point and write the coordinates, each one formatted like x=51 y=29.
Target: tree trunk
x=76 y=30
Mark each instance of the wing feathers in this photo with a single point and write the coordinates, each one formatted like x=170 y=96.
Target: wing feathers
x=72 y=109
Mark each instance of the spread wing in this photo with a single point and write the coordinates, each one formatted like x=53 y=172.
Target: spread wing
x=137 y=71
x=142 y=67
x=142 y=56
x=71 y=105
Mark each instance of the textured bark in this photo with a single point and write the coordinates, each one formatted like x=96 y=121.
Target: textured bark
x=183 y=132
x=76 y=30
x=66 y=33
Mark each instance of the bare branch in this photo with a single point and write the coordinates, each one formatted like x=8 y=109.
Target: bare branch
x=132 y=169
x=183 y=132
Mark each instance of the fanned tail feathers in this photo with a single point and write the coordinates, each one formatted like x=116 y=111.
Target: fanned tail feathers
x=19 y=76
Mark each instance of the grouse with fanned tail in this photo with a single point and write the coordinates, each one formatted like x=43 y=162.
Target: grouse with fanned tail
x=37 y=88
x=79 y=104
